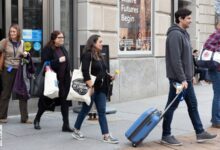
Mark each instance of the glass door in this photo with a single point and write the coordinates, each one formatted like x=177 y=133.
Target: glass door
x=32 y=17
x=2 y=19
x=38 y=18
x=33 y=26
x=29 y=14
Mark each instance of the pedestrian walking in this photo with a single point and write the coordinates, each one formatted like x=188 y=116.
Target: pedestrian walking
x=56 y=55
x=92 y=55
x=213 y=43
x=179 y=68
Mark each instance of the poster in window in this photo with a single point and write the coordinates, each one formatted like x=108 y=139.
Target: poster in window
x=135 y=25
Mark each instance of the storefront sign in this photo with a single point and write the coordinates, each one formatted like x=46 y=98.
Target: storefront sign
x=27 y=46
x=129 y=13
x=37 y=46
x=32 y=35
x=135 y=26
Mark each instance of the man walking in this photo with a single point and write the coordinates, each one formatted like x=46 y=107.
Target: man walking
x=179 y=68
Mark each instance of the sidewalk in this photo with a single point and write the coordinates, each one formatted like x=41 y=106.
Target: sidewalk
x=17 y=136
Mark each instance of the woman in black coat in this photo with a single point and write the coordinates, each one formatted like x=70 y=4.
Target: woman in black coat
x=56 y=55
x=93 y=56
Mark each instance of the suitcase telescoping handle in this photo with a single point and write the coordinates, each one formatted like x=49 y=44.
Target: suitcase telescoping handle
x=175 y=98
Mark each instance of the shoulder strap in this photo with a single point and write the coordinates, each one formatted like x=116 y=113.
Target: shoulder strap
x=90 y=66
x=5 y=45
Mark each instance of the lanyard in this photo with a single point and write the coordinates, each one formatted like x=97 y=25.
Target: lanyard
x=15 y=49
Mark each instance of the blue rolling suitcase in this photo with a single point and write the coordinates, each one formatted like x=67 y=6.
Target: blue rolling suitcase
x=142 y=126
x=140 y=129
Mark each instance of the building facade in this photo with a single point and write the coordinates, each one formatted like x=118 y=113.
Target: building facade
x=122 y=23
x=135 y=31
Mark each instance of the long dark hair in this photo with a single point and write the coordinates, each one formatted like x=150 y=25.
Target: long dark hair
x=90 y=46
x=53 y=37
x=18 y=29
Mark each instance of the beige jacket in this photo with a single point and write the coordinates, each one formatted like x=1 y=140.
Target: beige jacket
x=10 y=59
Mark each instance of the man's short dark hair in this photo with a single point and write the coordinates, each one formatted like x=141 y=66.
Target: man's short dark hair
x=182 y=13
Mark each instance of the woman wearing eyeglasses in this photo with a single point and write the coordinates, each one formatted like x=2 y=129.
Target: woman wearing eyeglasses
x=56 y=54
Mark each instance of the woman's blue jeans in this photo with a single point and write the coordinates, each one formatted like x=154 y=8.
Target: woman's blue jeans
x=215 y=78
x=100 y=101
x=191 y=102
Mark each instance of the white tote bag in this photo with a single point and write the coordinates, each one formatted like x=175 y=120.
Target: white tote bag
x=51 y=88
x=78 y=89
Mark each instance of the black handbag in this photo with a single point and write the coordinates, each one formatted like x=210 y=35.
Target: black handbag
x=37 y=84
x=110 y=87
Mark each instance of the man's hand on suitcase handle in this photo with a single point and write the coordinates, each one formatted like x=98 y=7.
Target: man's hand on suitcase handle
x=179 y=87
x=185 y=84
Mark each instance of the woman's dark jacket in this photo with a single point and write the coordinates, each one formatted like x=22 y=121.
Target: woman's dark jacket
x=98 y=69
x=49 y=54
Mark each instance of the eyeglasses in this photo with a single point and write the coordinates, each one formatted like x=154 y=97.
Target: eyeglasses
x=62 y=37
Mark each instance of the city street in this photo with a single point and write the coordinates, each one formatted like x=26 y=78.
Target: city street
x=17 y=136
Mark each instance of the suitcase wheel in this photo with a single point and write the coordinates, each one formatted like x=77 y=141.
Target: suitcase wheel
x=134 y=144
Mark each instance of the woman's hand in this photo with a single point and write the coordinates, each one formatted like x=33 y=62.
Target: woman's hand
x=112 y=77
x=91 y=88
x=25 y=54
x=62 y=59
x=89 y=83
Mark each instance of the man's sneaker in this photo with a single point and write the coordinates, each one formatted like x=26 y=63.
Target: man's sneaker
x=204 y=136
x=170 y=140
x=77 y=135
x=110 y=139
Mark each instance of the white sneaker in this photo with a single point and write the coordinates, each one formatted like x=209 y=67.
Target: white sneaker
x=77 y=135
x=110 y=139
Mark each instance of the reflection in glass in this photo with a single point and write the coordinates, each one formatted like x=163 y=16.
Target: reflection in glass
x=32 y=13
x=14 y=11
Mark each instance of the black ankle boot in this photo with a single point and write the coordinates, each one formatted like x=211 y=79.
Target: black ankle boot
x=37 y=125
x=66 y=128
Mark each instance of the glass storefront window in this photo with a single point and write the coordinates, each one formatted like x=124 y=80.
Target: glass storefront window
x=14 y=11
x=2 y=19
x=32 y=26
x=65 y=21
x=32 y=13
x=183 y=4
x=135 y=26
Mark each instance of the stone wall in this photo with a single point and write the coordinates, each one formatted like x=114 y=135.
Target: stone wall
x=205 y=21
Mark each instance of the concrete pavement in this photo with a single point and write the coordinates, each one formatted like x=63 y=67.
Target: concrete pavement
x=17 y=136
